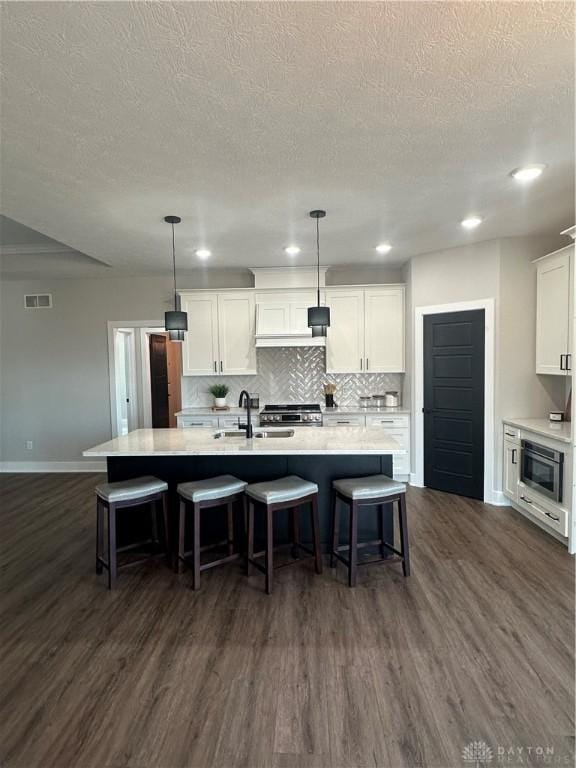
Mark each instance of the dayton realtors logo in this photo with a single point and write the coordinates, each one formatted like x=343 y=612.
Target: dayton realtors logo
x=477 y=753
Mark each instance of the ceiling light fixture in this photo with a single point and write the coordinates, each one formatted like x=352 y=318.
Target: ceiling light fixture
x=175 y=322
x=203 y=253
x=292 y=250
x=318 y=317
x=471 y=222
x=384 y=248
x=527 y=172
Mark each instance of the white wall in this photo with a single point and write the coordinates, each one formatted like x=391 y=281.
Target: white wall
x=501 y=270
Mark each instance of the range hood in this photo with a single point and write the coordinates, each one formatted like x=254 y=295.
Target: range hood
x=283 y=296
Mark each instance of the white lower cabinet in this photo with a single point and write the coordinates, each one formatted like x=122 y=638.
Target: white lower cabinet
x=197 y=421
x=397 y=427
x=552 y=516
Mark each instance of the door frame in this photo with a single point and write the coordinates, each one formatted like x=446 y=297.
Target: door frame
x=139 y=369
x=417 y=477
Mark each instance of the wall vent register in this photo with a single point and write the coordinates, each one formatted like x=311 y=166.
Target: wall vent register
x=38 y=301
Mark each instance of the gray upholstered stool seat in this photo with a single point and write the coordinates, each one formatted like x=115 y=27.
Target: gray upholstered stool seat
x=285 y=489
x=372 y=487
x=213 y=488
x=128 y=490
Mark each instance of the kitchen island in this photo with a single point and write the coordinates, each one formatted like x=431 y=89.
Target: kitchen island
x=319 y=454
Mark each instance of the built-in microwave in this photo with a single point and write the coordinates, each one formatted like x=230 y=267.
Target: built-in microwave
x=542 y=469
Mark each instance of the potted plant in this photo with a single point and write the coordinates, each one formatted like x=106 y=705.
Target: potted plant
x=219 y=392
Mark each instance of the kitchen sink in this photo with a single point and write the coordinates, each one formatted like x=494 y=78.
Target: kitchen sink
x=259 y=434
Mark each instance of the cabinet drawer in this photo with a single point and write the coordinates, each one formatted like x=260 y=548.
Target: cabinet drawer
x=552 y=516
x=511 y=433
x=197 y=421
x=228 y=422
x=391 y=422
x=344 y=421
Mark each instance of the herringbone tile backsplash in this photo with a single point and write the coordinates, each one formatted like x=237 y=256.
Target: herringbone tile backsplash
x=290 y=375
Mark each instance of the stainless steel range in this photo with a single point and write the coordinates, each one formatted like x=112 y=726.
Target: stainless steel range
x=295 y=414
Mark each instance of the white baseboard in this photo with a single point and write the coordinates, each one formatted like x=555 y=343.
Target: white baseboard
x=498 y=499
x=414 y=480
x=53 y=466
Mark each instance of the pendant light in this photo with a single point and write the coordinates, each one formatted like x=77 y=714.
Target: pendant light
x=175 y=322
x=318 y=317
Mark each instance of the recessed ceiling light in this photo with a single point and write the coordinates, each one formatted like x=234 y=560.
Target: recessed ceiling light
x=384 y=248
x=203 y=253
x=527 y=172
x=292 y=250
x=471 y=222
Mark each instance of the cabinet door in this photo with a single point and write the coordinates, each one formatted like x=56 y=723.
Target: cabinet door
x=273 y=318
x=384 y=334
x=345 y=341
x=200 y=347
x=236 y=322
x=511 y=459
x=552 y=314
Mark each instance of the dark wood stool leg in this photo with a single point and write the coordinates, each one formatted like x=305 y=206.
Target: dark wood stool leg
x=335 y=528
x=250 y=537
x=353 y=540
x=230 y=510
x=196 y=549
x=316 y=535
x=269 y=550
x=166 y=523
x=154 y=525
x=380 y=511
x=404 y=546
x=179 y=561
x=112 y=556
x=99 y=535
x=295 y=514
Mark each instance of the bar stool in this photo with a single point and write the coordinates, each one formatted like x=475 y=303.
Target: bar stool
x=113 y=497
x=204 y=494
x=357 y=492
x=289 y=493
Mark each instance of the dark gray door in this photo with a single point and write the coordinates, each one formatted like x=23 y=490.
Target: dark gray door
x=454 y=402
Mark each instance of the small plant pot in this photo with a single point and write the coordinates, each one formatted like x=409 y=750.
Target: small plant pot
x=220 y=402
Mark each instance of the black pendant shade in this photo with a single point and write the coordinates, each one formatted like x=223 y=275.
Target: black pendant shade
x=318 y=316
x=175 y=321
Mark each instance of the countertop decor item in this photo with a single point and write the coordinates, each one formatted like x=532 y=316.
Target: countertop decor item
x=318 y=317
x=219 y=392
x=329 y=391
x=392 y=399
x=175 y=321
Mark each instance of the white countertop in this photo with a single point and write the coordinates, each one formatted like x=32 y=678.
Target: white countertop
x=349 y=441
x=561 y=431
x=343 y=411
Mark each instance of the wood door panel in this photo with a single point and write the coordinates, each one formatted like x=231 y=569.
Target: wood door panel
x=159 y=381
x=454 y=402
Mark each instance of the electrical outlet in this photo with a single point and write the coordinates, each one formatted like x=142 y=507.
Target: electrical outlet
x=29 y=445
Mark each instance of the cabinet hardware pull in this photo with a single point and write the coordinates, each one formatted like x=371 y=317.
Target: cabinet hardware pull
x=215 y=367
x=551 y=516
x=221 y=368
x=342 y=422
x=569 y=361
x=367 y=365
x=510 y=434
x=562 y=363
x=361 y=364
x=514 y=456
x=525 y=499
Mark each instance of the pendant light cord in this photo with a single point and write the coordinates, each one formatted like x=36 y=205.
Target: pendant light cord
x=174 y=265
x=318 y=255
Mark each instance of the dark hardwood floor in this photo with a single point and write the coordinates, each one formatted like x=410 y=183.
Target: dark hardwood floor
x=476 y=645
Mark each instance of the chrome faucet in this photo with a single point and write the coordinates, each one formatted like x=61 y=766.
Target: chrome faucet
x=245 y=399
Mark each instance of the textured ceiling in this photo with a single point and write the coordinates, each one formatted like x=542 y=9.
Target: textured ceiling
x=399 y=118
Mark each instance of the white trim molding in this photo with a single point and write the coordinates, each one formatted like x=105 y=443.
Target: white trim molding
x=53 y=466
x=490 y=494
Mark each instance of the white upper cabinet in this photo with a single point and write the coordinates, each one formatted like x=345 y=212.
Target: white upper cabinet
x=384 y=329
x=553 y=312
x=345 y=340
x=220 y=339
x=366 y=331
x=200 y=347
x=236 y=319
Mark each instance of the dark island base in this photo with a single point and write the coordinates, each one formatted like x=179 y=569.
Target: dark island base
x=318 y=469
